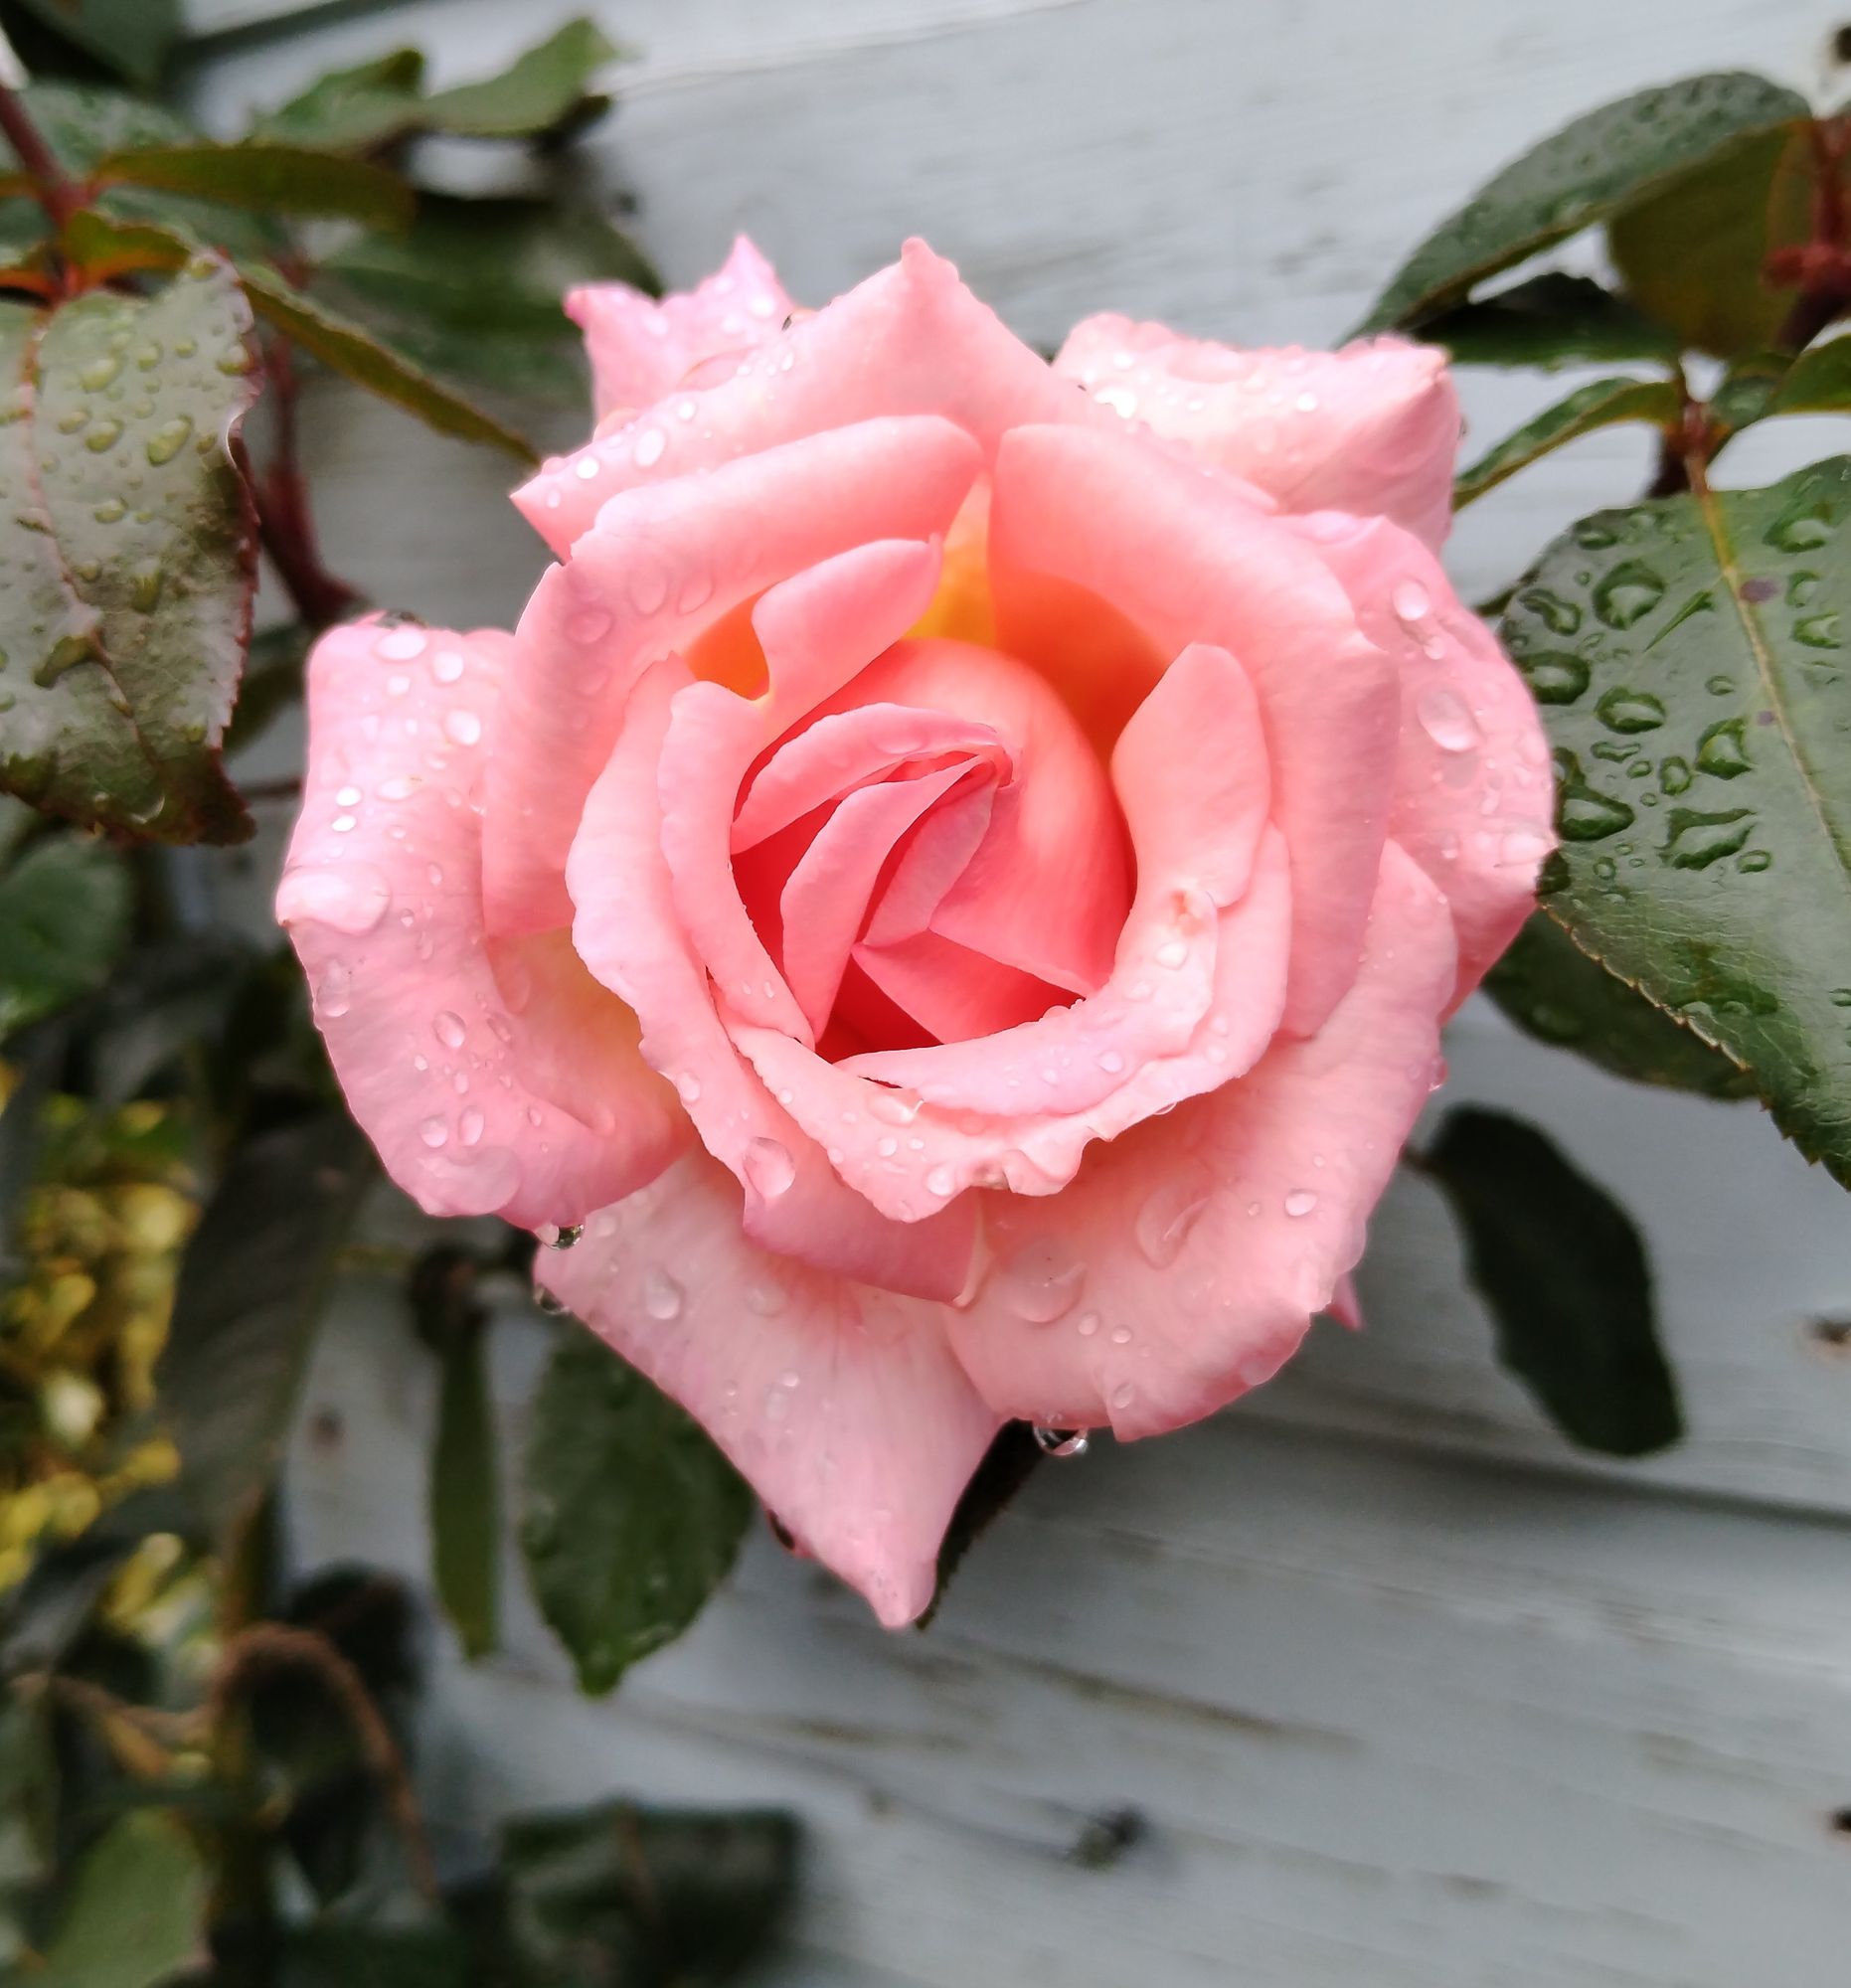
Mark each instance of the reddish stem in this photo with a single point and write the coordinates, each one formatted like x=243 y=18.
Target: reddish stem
x=52 y=185
x=284 y=521
x=1821 y=265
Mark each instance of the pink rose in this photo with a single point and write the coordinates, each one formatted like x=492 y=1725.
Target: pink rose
x=955 y=882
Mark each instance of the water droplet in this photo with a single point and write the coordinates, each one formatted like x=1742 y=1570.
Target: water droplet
x=1059 y=1441
x=662 y=1297
x=104 y=436
x=100 y=373
x=1167 y=1216
x=169 y=439
x=592 y=624
x=435 y=1133
x=1583 y=813
x=649 y=447
x=1798 y=531
x=1040 y=1282
x=334 y=993
x=894 y=1107
x=402 y=645
x=344 y=824
x=1124 y=1394
x=941 y=1181
x=1694 y=841
x=470 y=1126
x=1628 y=594
x=1721 y=751
x=448 y=1030
x=770 y=1169
x=1446 y=720
x=1561 y=616
x=689 y=1085
x=1624 y=710
x=1818 y=631
x=1172 y=953
x=1674 y=775
x=1088 y=1324
x=560 y=1236
x=463 y=726
x=1410 y=602
x=447 y=665
x=1299 y=1201
x=1555 y=676
x=1720 y=686
x=1751 y=861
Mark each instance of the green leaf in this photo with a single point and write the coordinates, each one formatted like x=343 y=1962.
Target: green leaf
x=135 y=1913
x=1703 y=786
x=353 y=109
x=633 y=1516
x=272 y=682
x=548 y=87
x=335 y=1955
x=1564 y=1273
x=64 y=908
x=650 y=1898
x=348 y=348
x=465 y=1486
x=1602 y=403
x=1691 y=254
x=1581 y=175
x=1552 y=990
x=1817 y=383
x=133 y=36
x=250 y=1293
x=1549 y=320
x=28 y=1792
x=1011 y=1459
x=268 y=176
x=128 y=555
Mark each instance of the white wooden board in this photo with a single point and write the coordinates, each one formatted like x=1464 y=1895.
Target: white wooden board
x=1407 y=1694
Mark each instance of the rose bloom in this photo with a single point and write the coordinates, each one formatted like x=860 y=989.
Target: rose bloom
x=955 y=882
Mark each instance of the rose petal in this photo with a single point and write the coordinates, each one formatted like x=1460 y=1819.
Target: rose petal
x=842 y=1406
x=1372 y=429
x=451 y=1057
x=641 y=348
x=911 y=340
x=1194 y=1250
x=1189 y=562
x=664 y=565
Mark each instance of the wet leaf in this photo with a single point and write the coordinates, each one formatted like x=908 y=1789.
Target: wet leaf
x=1564 y=1273
x=250 y=1293
x=135 y=1913
x=133 y=36
x=631 y=1516
x=650 y=1898
x=1689 y=657
x=547 y=87
x=1549 y=320
x=266 y=175
x=127 y=555
x=1579 y=176
x=1553 y=991
x=1602 y=403
x=65 y=906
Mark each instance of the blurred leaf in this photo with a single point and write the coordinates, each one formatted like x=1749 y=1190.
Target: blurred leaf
x=1549 y=320
x=64 y=908
x=549 y=86
x=649 y=1897
x=1703 y=792
x=1552 y=990
x=135 y=1913
x=1745 y=394
x=133 y=36
x=271 y=177
x=1602 y=403
x=348 y=348
x=1007 y=1466
x=353 y=109
x=464 y=1489
x=1579 y=176
x=1564 y=1273
x=250 y=1293
x=1691 y=252
x=376 y=1957
x=633 y=1516
x=1818 y=382
x=124 y=621
x=272 y=682
x=27 y=1786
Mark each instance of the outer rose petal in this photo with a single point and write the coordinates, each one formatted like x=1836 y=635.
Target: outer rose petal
x=1372 y=429
x=1190 y=1255
x=641 y=349
x=662 y=566
x=451 y=1055
x=842 y=1405
x=911 y=340
x=1473 y=799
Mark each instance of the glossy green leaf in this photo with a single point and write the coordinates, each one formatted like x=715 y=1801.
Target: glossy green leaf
x=549 y=86
x=353 y=109
x=1690 y=656
x=1578 y=177
x=250 y=1292
x=1691 y=254
x=631 y=1516
x=133 y=36
x=1602 y=403
x=127 y=555
x=135 y=1913
x=649 y=1897
x=266 y=175
x=1565 y=1275
x=1549 y=320
x=340 y=344
x=1818 y=382
x=1552 y=990
x=65 y=906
